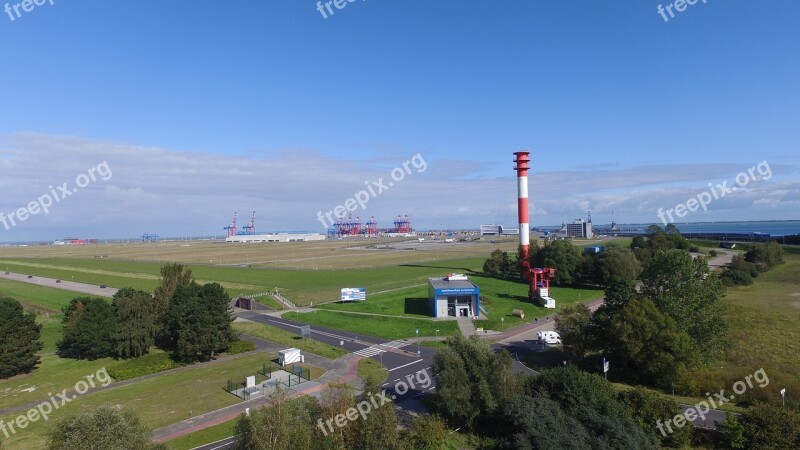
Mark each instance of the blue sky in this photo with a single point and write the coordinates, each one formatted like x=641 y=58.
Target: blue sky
x=204 y=108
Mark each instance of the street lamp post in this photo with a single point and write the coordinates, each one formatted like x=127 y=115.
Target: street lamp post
x=417 y=341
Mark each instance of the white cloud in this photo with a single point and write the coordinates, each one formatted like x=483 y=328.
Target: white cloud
x=174 y=193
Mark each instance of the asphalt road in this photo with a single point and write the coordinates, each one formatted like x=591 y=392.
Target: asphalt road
x=73 y=286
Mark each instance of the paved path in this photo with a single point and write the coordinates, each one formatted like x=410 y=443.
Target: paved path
x=73 y=286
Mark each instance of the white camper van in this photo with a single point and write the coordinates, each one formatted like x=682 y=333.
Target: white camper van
x=548 y=337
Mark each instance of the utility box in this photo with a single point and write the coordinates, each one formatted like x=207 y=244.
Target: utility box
x=290 y=356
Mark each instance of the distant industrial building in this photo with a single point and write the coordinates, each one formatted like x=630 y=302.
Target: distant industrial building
x=498 y=230
x=453 y=296
x=276 y=237
x=580 y=229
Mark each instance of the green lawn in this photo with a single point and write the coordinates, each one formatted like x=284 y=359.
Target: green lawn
x=158 y=401
x=202 y=437
x=297 y=285
x=383 y=327
x=40 y=296
x=369 y=368
x=283 y=337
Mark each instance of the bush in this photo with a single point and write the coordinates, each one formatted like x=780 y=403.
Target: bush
x=237 y=347
x=143 y=365
x=713 y=253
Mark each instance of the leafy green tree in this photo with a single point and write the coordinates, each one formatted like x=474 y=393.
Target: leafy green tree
x=768 y=426
x=88 y=326
x=199 y=322
x=592 y=401
x=657 y=239
x=617 y=264
x=134 y=330
x=379 y=428
x=561 y=255
x=648 y=408
x=335 y=399
x=764 y=256
x=645 y=345
x=427 y=432
x=739 y=272
x=540 y=423
x=472 y=380
x=107 y=427
x=172 y=277
x=687 y=291
x=573 y=323
x=19 y=339
x=498 y=264
x=732 y=432
x=283 y=424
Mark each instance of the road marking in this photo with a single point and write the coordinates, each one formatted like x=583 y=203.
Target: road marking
x=405 y=365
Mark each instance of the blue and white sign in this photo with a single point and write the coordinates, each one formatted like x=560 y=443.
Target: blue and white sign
x=354 y=294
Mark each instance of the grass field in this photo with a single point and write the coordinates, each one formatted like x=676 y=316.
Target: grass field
x=765 y=328
x=379 y=326
x=283 y=337
x=501 y=298
x=158 y=401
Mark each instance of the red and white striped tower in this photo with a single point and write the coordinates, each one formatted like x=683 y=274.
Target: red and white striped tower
x=523 y=162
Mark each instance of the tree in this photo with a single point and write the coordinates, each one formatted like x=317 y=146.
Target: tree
x=379 y=428
x=498 y=264
x=19 y=339
x=573 y=323
x=133 y=334
x=561 y=255
x=768 y=426
x=687 y=291
x=617 y=264
x=198 y=323
x=472 y=380
x=88 y=326
x=645 y=344
x=739 y=272
x=592 y=401
x=172 y=277
x=283 y=424
x=764 y=256
x=335 y=399
x=649 y=408
x=427 y=432
x=107 y=427
x=540 y=423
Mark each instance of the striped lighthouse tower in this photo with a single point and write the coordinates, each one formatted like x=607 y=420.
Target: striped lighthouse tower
x=523 y=162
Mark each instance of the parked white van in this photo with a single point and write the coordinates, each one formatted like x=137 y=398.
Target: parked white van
x=548 y=337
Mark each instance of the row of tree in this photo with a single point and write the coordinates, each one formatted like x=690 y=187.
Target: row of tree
x=191 y=320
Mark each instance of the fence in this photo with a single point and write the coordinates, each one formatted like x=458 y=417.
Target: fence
x=268 y=379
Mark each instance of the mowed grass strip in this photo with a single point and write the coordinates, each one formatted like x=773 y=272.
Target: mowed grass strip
x=158 y=401
x=289 y=339
x=379 y=326
x=368 y=368
x=45 y=297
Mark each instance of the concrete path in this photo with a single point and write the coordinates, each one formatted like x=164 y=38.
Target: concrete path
x=466 y=326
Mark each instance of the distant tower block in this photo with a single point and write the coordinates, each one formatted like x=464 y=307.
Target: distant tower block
x=523 y=162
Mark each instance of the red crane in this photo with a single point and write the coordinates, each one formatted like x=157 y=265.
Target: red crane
x=232 y=227
x=250 y=228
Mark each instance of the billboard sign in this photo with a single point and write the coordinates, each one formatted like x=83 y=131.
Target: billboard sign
x=354 y=294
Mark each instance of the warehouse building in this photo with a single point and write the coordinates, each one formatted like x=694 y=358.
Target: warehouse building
x=276 y=237
x=453 y=296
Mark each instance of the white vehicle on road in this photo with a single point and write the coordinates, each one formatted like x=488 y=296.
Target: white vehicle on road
x=548 y=337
